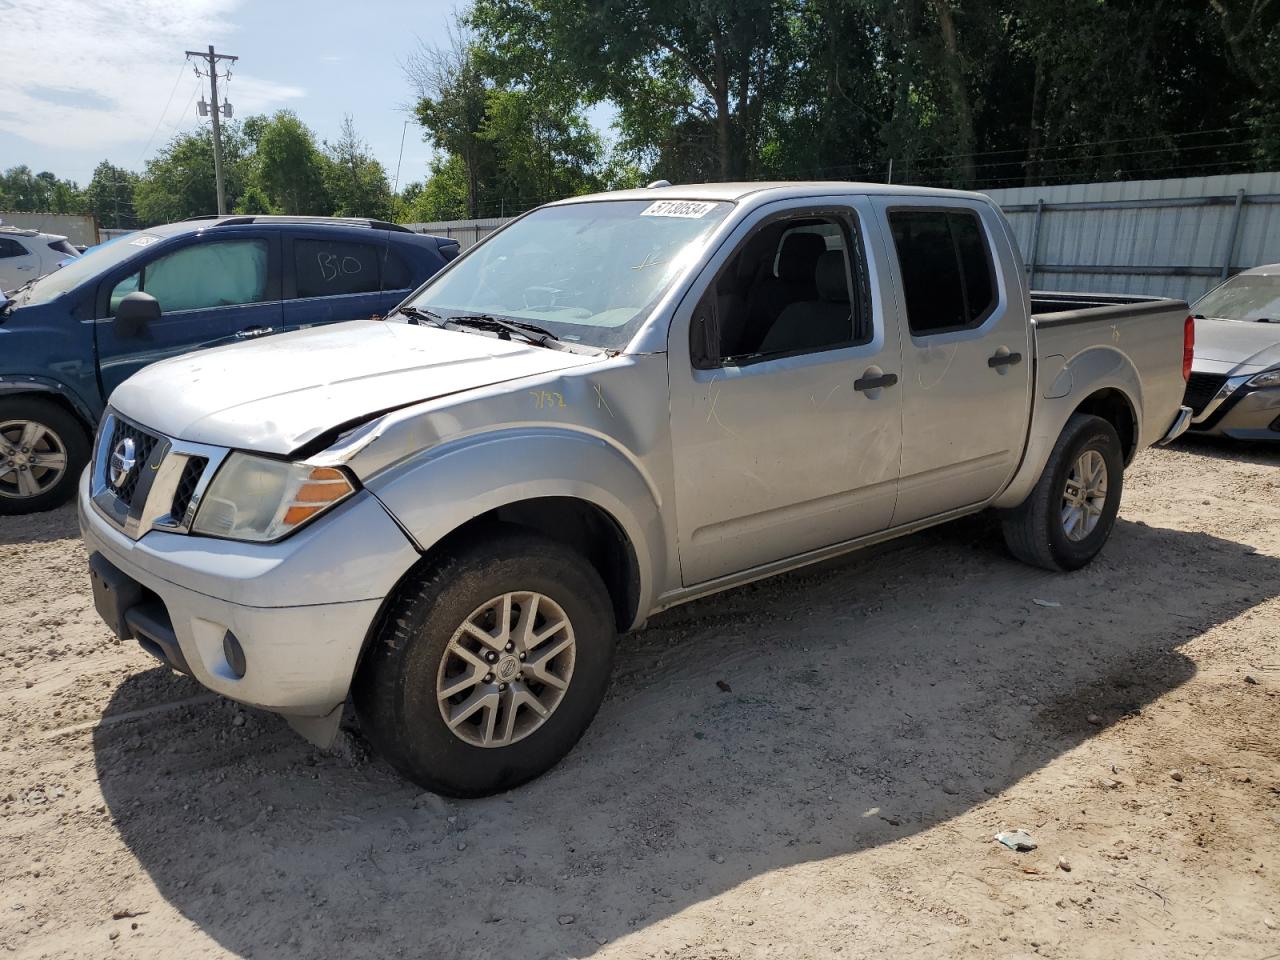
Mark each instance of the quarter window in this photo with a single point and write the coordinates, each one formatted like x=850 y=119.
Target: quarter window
x=396 y=273
x=946 y=270
x=222 y=274
x=326 y=268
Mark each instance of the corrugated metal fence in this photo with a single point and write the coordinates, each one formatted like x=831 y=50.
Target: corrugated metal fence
x=467 y=232
x=1172 y=238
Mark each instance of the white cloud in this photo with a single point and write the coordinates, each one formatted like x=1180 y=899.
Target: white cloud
x=90 y=73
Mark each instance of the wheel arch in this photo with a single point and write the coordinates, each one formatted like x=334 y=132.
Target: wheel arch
x=51 y=390
x=1100 y=381
x=579 y=524
x=1113 y=405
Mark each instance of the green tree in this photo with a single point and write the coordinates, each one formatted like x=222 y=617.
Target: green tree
x=24 y=191
x=442 y=197
x=508 y=147
x=286 y=168
x=179 y=181
x=110 y=196
x=719 y=65
x=452 y=99
x=356 y=183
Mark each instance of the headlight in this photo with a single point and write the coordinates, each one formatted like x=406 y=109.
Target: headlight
x=255 y=498
x=1269 y=379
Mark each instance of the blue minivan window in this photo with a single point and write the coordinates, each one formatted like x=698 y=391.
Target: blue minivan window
x=328 y=268
x=223 y=274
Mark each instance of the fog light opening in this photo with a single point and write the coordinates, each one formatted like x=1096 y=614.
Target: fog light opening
x=234 y=653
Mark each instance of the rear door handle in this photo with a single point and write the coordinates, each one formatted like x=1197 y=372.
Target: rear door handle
x=1004 y=359
x=248 y=333
x=875 y=383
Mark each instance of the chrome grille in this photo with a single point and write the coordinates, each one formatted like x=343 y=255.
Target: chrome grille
x=166 y=482
x=143 y=444
x=187 y=484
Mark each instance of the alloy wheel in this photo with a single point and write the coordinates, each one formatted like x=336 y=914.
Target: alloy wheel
x=33 y=459
x=506 y=669
x=1084 y=496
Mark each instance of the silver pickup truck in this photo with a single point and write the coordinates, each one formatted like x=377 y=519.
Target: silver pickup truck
x=613 y=405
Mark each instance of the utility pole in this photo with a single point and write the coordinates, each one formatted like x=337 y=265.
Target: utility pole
x=211 y=58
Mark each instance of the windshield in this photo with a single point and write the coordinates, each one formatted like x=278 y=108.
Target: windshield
x=97 y=260
x=1247 y=297
x=588 y=272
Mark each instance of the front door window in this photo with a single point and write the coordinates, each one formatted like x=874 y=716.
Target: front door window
x=201 y=276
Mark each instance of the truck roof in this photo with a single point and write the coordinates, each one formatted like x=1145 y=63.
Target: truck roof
x=772 y=190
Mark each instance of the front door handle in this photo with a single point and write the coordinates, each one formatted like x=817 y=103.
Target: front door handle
x=875 y=383
x=1004 y=360
x=248 y=333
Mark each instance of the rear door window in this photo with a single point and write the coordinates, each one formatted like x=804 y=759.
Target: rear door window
x=946 y=269
x=11 y=248
x=328 y=268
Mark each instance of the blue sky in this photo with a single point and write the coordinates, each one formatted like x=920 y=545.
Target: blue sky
x=84 y=80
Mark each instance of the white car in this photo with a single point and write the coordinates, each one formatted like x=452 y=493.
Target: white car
x=27 y=254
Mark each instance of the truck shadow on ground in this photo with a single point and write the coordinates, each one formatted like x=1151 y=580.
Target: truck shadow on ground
x=870 y=699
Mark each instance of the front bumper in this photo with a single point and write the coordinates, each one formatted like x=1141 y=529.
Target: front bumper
x=300 y=608
x=1242 y=412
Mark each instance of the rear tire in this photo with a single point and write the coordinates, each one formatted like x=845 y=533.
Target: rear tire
x=43 y=450
x=527 y=712
x=1067 y=518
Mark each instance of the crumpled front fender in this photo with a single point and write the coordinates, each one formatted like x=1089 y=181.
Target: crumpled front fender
x=435 y=493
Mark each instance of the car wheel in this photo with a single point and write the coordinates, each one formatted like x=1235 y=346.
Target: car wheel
x=488 y=666
x=43 y=449
x=1069 y=514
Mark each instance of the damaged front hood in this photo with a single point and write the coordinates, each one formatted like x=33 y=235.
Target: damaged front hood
x=277 y=394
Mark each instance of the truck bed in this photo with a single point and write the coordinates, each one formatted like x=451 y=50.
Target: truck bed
x=1145 y=340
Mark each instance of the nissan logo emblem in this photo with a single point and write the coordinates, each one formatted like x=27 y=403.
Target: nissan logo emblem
x=123 y=459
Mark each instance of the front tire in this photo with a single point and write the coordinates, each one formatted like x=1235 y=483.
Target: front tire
x=1069 y=514
x=43 y=450
x=488 y=666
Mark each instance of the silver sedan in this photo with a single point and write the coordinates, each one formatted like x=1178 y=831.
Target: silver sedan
x=1234 y=389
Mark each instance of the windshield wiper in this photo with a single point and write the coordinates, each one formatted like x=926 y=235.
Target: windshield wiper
x=487 y=321
x=417 y=315
x=538 y=336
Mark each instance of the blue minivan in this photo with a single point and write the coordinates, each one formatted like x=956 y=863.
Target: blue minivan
x=72 y=336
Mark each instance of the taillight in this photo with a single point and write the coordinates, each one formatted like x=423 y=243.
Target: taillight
x=1188 y=346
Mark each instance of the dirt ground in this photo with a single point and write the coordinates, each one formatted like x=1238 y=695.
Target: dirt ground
x=887 y=714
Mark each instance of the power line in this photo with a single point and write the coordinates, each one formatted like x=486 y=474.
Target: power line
x=163 y=113
x=186 y=110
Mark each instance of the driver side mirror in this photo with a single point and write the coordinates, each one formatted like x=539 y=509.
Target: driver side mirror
x=135 y=312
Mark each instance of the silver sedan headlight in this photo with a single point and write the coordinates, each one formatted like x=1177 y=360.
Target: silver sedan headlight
x=260 y=499
x=1269 y=378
